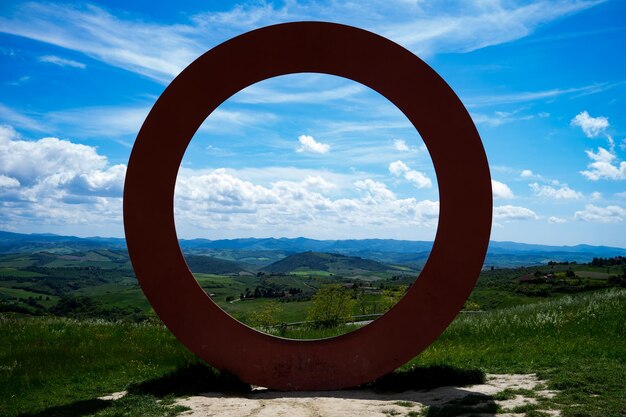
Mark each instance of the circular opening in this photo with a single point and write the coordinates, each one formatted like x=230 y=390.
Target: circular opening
x=306 y=205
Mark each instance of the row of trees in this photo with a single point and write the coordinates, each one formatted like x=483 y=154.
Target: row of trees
x=331 y=305
x=77 y=307
x=616 y=261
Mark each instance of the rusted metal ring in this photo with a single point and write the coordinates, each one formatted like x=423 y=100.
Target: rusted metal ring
x=464 y=219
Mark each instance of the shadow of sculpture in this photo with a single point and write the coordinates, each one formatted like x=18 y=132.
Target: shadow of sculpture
x=75 y=409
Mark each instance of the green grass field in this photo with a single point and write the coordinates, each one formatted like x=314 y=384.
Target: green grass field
x=54 y=366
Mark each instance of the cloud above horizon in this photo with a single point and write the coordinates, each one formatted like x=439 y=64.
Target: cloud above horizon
x=55 y=181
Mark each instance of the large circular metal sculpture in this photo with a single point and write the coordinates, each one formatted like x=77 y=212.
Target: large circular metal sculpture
x=464 y=217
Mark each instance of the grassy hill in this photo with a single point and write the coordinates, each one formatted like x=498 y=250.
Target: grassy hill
x=59 y=367
x=329 y=262
x=210 y=265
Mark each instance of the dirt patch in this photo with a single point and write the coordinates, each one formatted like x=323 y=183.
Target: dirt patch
x=521 y=390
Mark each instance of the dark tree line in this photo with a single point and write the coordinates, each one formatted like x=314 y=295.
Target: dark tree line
x=269 y=292
x=616 y=261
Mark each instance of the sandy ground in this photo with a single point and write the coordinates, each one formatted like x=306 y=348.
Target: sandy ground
x=359 y=403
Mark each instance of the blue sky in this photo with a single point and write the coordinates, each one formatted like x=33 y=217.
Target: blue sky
x=308 y=154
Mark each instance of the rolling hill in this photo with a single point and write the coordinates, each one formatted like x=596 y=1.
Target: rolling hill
x=210 y=265
x=329 y=262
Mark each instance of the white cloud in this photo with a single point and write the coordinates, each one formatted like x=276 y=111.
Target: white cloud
x=621 y=195
x=556 y=220
x=377 y=190
x=608 y=214
x=596 y=195
x=601 y=156
x=400 y=145
x=563 y=192
x=527 y=173
x=591 y=126
x=309 y=144
x=32 y=161
x=603 y=166
x=419 y=179
x=511 y=213
x=501 y=190
x=62 y=62
x=220 y=200
x=56 y=182
x=8 y=182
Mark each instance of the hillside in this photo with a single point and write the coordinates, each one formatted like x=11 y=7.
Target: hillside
x=329 y=262
x=209 y=265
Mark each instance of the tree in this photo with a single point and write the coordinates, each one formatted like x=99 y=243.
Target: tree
x=390 y=296
x=361 y=300
x=331 y=305
x=266 y=316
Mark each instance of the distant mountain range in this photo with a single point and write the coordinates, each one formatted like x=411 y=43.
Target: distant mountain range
x=413 y=253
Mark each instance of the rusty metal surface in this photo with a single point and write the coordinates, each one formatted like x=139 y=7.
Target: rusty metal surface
x=448 y=276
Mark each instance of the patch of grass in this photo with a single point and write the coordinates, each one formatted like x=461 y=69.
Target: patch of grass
x=53 y=366
x=304 y=332
x=141 y=405
x=536 y=413
x=129 y=405
x=407 y=404
x=525 y=408
x=14 y=272
x=576 y=343
x=73 y=409
x=471 y=404
x=53 y=362
x=509 y=394
x=390 y=412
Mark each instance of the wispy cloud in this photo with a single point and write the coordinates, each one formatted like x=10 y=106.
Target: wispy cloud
x=510 y=98
x=19 y=119
x=114 y=121
x=257 y=94
x=160 y=51
x=499 y=118
x=477 y=24
x=155 y=50
x=62 y=62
